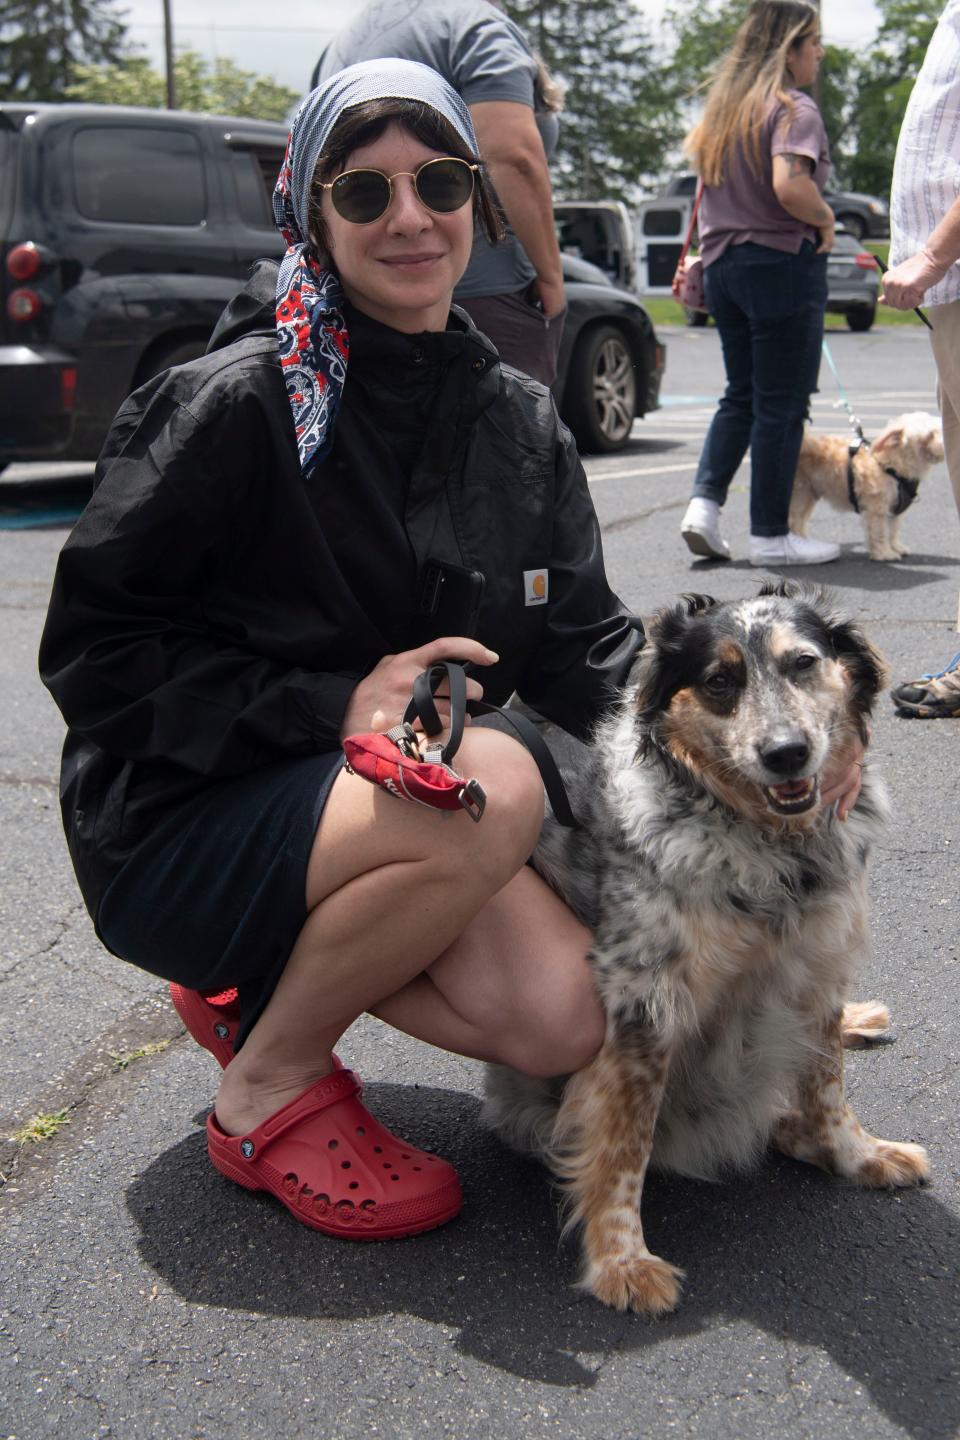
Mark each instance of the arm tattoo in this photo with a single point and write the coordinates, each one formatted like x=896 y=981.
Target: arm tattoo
x=799 y=165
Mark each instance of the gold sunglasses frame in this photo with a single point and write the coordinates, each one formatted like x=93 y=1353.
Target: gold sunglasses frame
x=369 y=170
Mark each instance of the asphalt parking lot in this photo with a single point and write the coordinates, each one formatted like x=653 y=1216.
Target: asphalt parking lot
x=141 y=1295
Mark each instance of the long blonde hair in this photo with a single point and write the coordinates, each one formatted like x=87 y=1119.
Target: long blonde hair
x=751 y=75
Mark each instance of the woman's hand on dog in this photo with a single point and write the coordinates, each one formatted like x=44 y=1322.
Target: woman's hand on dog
x=380 y=699
x=842 y=786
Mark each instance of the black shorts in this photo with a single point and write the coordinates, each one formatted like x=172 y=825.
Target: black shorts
x=214 y=895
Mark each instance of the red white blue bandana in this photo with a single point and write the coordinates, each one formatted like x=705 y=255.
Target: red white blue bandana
x=311 y=333
x=311 y=338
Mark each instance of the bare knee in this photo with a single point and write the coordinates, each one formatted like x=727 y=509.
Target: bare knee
x=508 y=830
x=560 y=1043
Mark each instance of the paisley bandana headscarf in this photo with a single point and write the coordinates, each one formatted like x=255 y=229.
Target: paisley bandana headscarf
x=311 y=334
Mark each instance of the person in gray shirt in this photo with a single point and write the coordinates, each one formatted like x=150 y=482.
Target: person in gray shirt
x=513 y=290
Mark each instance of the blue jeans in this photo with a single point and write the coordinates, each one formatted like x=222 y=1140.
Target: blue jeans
x=768 y=305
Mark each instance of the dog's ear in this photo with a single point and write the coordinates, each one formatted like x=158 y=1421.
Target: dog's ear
x=660 y=671
x=865 y=667
x=889 y=440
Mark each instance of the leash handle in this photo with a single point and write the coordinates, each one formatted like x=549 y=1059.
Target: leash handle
x=421 y=707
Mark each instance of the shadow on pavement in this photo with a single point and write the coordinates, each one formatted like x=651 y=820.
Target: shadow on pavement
x=853 y=570
x=867 y=1277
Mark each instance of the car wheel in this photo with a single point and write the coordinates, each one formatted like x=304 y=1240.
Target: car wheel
x=861 y=318
x=855 y=224
x=694 y=317
x=601 y=390
x=164 y=357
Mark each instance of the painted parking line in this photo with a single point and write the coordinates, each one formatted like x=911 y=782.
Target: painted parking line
x=639 y=470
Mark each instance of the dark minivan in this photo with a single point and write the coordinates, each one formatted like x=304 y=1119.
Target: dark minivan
x=124 y=232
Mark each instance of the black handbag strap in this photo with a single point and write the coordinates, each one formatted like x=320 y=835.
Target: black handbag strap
x=421 y=706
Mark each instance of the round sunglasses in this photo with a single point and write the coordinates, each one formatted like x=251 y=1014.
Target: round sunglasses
x=442 y=185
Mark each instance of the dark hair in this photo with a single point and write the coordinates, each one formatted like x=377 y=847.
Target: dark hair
x=362 y=124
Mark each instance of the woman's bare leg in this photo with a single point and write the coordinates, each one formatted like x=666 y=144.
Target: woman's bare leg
x=514 y=988
x=390 y=887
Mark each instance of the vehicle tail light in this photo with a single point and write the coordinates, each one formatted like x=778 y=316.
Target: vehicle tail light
x=23 y=305
x=24 y=261
x=68 y=387
x=866 y=261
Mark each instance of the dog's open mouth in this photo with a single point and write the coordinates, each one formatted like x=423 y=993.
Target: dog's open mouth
x=793 y=797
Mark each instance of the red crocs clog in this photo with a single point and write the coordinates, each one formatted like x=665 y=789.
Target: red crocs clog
x=213 y=1019
x=337 y=1169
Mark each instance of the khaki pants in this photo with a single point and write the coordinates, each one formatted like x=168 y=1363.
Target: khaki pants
x=945 y=339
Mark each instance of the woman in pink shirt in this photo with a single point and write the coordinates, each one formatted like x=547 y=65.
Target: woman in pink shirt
x=765 y=230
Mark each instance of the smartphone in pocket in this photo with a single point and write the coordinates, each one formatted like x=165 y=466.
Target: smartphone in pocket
x=450 y=596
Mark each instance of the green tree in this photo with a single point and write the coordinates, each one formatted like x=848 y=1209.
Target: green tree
x=43 y=42
x=620 y=108
x=224 y=89
x=885 y=78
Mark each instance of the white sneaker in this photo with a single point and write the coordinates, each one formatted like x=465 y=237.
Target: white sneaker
x=700 y=528
x=791 y=550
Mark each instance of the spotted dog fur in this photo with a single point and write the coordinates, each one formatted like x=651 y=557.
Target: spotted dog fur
x=729 y=913
x=912 y=444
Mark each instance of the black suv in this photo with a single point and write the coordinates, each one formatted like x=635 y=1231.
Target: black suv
x=124 y=232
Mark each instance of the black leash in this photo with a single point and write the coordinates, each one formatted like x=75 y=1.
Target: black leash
x=422 y=707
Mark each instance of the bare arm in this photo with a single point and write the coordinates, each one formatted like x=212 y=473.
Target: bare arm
x=905 y=285
x=794 y=187
x=513 y=152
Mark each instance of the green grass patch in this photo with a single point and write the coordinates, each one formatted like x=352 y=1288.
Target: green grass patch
x=156 y=1047
x=41 y=1127
x=668 y=312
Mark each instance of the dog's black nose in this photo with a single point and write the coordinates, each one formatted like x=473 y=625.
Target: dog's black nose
x=786 y=757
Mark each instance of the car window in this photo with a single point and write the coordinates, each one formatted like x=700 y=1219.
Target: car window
x=8 y=140
x=139 y=176
x=254 y=176
x=668 y=221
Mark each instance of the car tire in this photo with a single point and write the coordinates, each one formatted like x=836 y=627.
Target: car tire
x=862 y=318
x=601 y=390
x=164 y=357
x=695 y=317
x=854 y=224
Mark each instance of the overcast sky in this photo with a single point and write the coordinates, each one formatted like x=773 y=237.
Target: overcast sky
x=240 y=30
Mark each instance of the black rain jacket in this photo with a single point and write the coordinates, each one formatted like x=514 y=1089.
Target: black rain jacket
x=213 y=609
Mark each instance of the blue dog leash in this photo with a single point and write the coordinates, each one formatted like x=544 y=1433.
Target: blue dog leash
x=855 y=425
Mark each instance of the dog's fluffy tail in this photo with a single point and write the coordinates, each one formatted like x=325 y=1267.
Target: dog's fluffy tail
x=522 y=1110
x=864 y=1022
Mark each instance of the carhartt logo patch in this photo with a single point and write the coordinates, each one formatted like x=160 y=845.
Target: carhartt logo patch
x=535 y=588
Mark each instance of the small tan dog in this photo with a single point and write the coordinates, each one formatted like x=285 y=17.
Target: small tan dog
x=879 y=480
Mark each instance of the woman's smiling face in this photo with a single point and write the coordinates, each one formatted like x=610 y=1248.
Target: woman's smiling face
x=401 y=268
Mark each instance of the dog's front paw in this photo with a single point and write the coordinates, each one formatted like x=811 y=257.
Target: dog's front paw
x=643 y=1283
x=893 y=1164
x=886 y=553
